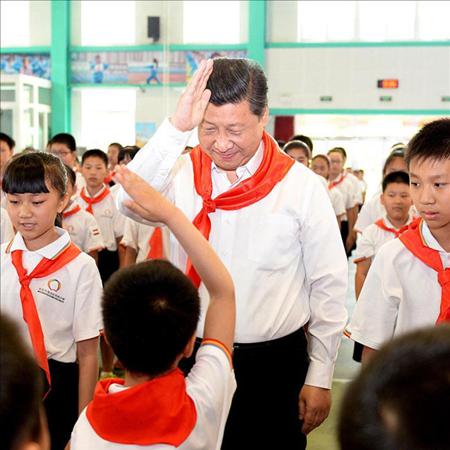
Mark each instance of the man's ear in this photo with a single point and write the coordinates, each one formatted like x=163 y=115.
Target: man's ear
x=265 y=116
x=189 y=348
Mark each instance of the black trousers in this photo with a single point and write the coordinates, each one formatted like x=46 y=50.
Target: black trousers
x=264 y=412
x=61 y=403
x=108 y=263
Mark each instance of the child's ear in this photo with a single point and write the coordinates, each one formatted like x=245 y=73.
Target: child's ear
x=64 y=202
x=189 y=349
x=382 y=199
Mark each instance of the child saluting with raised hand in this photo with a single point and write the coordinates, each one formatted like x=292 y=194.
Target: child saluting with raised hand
x=150 y=313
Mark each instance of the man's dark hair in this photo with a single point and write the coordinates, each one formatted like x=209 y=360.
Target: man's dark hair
x=150 y=311
x=291 y=145
x=301 y=137
x=395 y=177
x=9 y=140
x=236 y=80
x=400 y=399
x=339 y=150
x=21 y=392
x=64 y=138
x=95 y=153
x=431 y=142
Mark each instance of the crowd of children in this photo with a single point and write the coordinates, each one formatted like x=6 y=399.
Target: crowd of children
x=78 y=275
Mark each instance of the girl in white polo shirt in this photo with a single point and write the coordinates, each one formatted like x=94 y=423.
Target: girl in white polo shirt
x=51 y=289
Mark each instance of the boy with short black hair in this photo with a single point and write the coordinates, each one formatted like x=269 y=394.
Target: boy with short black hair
x=408 y=285
x=96 y=198
x=150 y=315
x=397 y=201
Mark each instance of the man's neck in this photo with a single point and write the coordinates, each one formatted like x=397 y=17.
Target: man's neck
x=232 y=176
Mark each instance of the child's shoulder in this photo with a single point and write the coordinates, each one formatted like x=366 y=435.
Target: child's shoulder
x=393 y=252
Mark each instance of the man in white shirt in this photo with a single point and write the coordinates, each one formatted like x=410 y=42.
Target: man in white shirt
x=273 y=226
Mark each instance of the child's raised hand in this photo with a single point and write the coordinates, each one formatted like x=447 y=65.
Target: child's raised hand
x=146 y=201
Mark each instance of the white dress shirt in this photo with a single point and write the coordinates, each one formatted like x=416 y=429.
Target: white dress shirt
x=400 y=294
x=68 y=300
x=284 y=252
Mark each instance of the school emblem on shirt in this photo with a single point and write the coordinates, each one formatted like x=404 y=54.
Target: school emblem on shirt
x=54 y=285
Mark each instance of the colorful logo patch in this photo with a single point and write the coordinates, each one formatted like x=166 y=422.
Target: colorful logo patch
x=54 y=285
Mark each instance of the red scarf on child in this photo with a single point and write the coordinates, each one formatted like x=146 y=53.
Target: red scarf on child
x=273 y=168
x=413 y=241
x=380 y=223
x=93 y=200
x=155 y=243
x=72 y=211
x=30 y=314
x=333 y=184
x=158 y=411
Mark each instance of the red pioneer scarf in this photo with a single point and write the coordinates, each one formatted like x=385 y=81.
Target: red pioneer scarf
x=273 y=168
x=93 y=200
x=72 y=211
x=158 y=411
x=333 y=184
x=30 y=314
x=155 y=243
x=413 y=241
x=380 y=223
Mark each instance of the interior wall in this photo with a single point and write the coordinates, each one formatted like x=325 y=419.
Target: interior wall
x=40 y=23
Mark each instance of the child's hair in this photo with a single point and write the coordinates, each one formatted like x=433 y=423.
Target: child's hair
x=431 y=142
x=301 y=137
x=28 y=173
x=291 y=145
x=9 y=140
x=130 y=150
x=71 y=175
x=64 y=138
x=95 y=153
x=21 y=392
x=324 y=157
x=150 y=311
x=395 y=177
x=397 y=152
x=339 y=150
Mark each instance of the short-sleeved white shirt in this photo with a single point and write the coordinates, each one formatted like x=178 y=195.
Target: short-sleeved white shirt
x=370 y=212
x=68 y=300
x=346 y=188
x=83 y=230
x=210 y=384
x=137 y=236
x=337 y=200
x=400 y=294
x=372 y=238
x=6 y=230
x=357 y=189
x=109 y=219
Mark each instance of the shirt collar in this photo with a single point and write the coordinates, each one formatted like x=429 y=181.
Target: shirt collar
x=97 y=194
x=388 y=223
x=49 y=251
x=250 y=167
x=430 y=240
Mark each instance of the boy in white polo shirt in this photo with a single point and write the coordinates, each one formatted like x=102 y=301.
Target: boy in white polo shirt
x=81 y=225
x=397 y=201
x=150 y=314
x=408 y=285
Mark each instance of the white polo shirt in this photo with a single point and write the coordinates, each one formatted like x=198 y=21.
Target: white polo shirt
x=68 y=300
x=346 y=188
x=108 y=217
x=357 y=188
x=83 y=230
x=370 y=212
x=137 y=236
x=6 y=230
x=400 y=294
x=372 y=238
x=284 y=252
x=210 y=384
x=337 y=200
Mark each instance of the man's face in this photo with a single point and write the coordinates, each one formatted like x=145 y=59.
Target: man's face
x=337 y=164
x=230 y=134
x=63 y=153
x=397 y=201
x=430 y=191
x=5 y=155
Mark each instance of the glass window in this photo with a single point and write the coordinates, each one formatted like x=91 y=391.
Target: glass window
x=379 y=20
x=107 y=115
x=15 y=23
x=108 y=23
x=326 y=20
x=434 y=20
x=211 y=22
